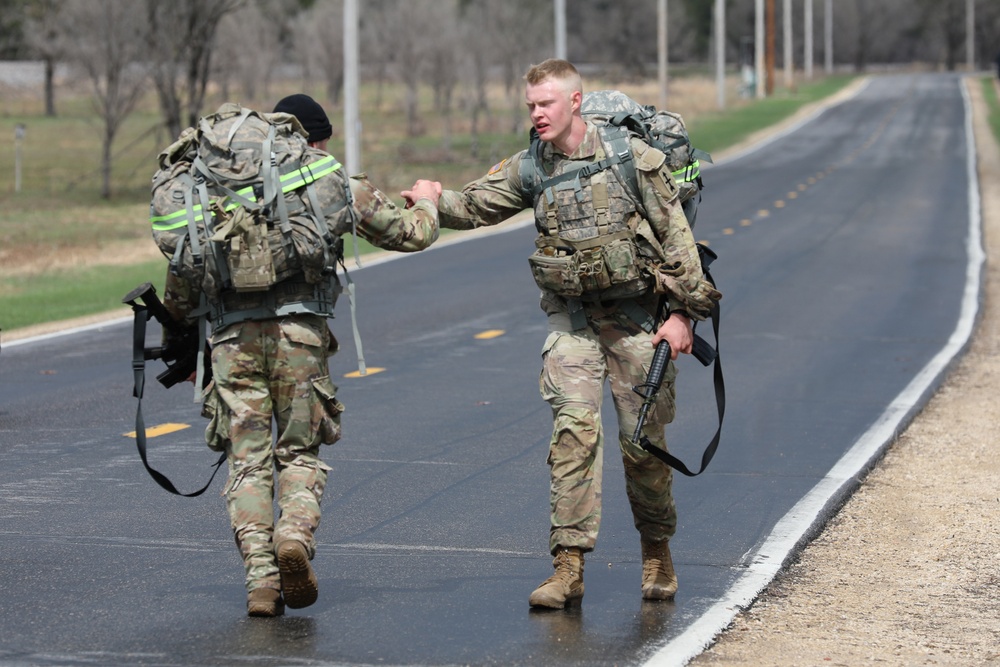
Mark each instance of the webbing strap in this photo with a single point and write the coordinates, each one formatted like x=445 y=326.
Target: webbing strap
x=192 y=223
x=139 y=383
x=244 y=114
x=352 y=300
x=703 y=350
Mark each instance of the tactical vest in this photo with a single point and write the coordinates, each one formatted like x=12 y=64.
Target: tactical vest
x=590 y=246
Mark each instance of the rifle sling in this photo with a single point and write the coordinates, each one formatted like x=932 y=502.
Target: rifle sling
x=720 y=402
x=139 y=376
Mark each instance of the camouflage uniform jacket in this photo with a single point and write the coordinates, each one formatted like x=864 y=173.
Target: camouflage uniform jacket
x=499 y=195
x=380 y=222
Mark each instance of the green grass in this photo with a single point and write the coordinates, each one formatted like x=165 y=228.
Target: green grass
x=63 y=295
x=992 y=106
x=58 y=205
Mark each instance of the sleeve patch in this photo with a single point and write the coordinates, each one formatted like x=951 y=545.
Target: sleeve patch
x=498 y=167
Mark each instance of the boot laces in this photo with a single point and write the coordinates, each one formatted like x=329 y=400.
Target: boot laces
x=652 y=567
x=564 y=573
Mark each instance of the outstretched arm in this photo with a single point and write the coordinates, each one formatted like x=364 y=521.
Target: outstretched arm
x=390 y=227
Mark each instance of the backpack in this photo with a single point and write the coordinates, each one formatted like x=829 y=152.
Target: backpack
x=242 y=203
x=618 y=115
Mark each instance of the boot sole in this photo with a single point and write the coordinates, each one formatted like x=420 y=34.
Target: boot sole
x=541 y=602
x=265 y=610
x=658 y=594
x=298 y=581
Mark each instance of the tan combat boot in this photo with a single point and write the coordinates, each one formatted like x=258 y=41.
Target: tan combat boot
x=565 y=585
x=298 y=581
x=658 y=579
x=265 y=602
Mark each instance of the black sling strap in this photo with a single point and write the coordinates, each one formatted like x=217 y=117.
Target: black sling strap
x=139 y=375
x=704 y=351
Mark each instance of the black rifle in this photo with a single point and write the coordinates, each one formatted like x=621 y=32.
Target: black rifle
x=702 y=351
x=180 y=354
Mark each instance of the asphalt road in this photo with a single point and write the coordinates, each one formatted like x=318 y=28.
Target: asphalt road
x=843 y=260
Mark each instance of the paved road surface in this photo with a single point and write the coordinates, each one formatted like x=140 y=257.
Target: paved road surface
x=843 y=259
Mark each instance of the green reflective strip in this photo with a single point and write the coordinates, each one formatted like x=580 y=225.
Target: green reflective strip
x=164 y=223
x=245 y=192
x=293 y=180
x=688 y=173
x=310 y=173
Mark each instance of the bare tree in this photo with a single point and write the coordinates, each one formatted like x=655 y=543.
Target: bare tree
x=41 y=32
x=443 y=60
x=103 y=37
x=12 y=39
x=320 y=32
x=250 y=51
x=475 y=65
x=181 y=38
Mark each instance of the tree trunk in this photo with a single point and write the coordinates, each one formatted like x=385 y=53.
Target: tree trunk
x=50 y=92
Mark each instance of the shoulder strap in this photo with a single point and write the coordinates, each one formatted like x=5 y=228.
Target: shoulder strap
x=618 y=153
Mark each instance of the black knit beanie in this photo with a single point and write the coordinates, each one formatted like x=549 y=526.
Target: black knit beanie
x=309 y=113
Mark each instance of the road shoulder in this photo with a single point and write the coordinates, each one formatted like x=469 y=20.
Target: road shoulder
x=908 y=572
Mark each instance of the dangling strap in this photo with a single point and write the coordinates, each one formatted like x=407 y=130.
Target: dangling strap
x=704 y=352
x=352 y=299
x=139 y=380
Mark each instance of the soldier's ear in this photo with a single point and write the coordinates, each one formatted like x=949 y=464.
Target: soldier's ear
x=575 y=100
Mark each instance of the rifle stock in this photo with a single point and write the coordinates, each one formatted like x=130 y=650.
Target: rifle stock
x=180 y=353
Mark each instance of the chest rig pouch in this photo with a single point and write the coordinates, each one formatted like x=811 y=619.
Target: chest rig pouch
x=587 y=246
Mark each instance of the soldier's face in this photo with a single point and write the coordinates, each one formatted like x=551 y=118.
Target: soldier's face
x=552 y=107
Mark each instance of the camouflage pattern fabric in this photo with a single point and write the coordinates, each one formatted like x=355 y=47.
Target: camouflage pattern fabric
x=575 y=365
x=665 y=127
x=497 y=196
x=279 y=368
x=380 y=219
x=227 y=150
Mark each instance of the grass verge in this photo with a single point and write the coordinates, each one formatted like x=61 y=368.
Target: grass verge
x=992 y=106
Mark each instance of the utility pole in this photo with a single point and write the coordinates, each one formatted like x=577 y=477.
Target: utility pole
x=720 y=52
x=758 y=48
x=807 y=42
x=661 y=50
x=828 y=35
x=352 y=119
x=970 y=34
x=789 y=57
x=559 y=7
x=769 y=57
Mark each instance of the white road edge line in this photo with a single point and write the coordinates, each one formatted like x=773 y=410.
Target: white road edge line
x=794 y=528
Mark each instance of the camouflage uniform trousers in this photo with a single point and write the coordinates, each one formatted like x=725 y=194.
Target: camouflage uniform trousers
x=575 y=365
x=262 y=369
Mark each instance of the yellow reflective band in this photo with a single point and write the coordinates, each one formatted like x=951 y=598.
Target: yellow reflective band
x=293 y=180
x=245 y=192
x=309 y=173
x=164 y=223
x=688 y=173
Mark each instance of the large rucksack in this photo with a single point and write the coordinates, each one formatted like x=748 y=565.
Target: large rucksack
x=618 y=115
x=242 y=203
